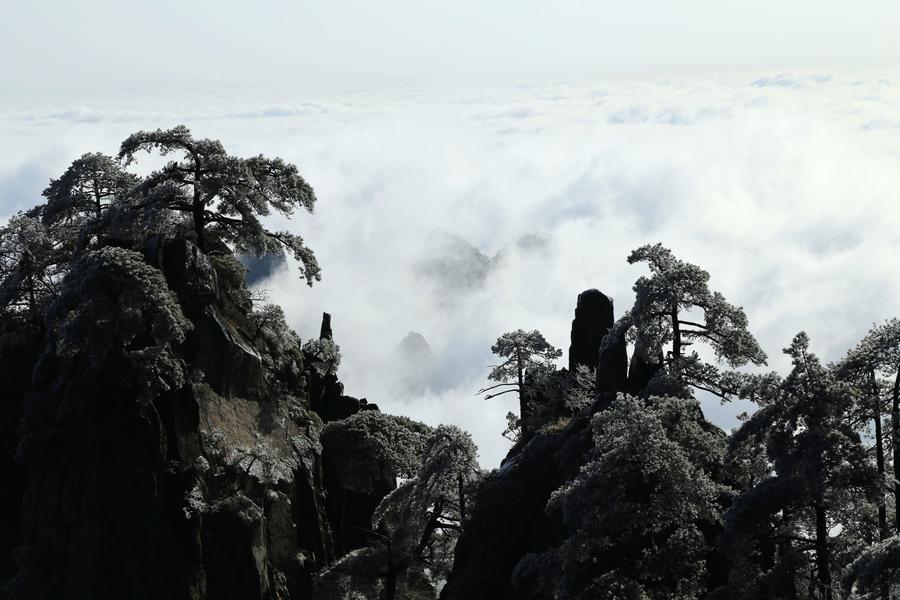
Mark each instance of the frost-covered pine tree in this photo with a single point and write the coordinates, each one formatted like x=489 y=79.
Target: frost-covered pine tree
x=114 y=303
x=224 y=196
x=663 y=317
x=78 y=199
x=414 y=529
x=33 y=262
x=817 y=466
x=872 y=367
x=637 y=511
x=523 y=352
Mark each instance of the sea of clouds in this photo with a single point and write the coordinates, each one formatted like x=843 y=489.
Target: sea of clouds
x=462 y=215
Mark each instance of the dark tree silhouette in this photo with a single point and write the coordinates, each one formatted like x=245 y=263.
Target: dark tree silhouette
x=524 y=352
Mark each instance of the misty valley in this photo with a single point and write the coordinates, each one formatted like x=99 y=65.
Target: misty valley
x=166 y=434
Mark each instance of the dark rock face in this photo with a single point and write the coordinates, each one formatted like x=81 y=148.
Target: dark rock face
x=593 y=318
x=326 y=392
x=613 y=366
x=508 y=518
x=20 y=346
x=325 y=332
x=641 y=371
x=350 y=505
x=213 y=490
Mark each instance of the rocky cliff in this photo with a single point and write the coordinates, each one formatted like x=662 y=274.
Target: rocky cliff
x=212 y=490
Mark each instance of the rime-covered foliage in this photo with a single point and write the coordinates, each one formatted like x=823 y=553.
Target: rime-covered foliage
x=553 y=398
x=112 y=301
x=223 y=195
x=873 y=369
x=524 y=354
x=637 y=509
x=414 y=529
x=875 y=570
x=663 y=315
x=78 y=199
x=33 y=262
x=395 y=443
x=272 y=336
x=322 y=355
x=782 y=527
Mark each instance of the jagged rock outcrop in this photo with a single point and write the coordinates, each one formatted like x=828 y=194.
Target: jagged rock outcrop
x=325 y=332
x=326 y=392
x=212 y=490
x=593 y=318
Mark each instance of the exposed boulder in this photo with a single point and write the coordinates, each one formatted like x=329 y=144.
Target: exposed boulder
x=188 y=271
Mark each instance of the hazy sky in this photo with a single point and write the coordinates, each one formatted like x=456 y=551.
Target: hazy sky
x=97 y=47
x=477 y=166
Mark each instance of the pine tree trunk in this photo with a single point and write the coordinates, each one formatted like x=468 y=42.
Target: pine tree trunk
x=879 y=461
x=895 y=442
x=462 y=499
x=785 y=549
x=199 y=226
x=676 y=334
x=98 y=205
x=522 y=407
x=823 y=566
x=199 y=207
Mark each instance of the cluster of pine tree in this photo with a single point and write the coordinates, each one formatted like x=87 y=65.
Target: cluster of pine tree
x=799 y=502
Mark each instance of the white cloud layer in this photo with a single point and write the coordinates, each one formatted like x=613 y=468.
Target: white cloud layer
x=461 y=216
